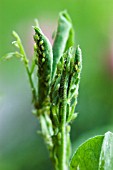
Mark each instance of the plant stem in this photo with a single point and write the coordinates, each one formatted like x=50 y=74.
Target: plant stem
x=28 y=72
x=31 y=83
x=25 y=60
x=62 y=110
x=63 y=165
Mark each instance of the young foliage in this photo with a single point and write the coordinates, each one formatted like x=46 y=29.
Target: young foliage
x=55 y=98
x=44 y=60
x=63 y=40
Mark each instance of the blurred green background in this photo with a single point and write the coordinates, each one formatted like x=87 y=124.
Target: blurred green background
x=20 y=146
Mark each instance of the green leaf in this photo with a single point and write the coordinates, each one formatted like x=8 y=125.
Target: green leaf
x=63 y=40
x=95 y=154
x=70 y=41
x=44 y=57
x=106 y=156
x=87 y=155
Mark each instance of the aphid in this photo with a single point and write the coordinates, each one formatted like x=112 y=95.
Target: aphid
x=59 y=135
x=42 y=47
x=35 y=47
x=43 y=54
x=76 y=67
x=41 y=42
x=36 y=37
x=40 y=52
x=43 y=60
x=68 y=128
x=79 y=63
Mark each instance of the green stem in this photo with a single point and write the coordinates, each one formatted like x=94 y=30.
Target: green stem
x=28 y=71
x=25 y=60
x=63 y=146
x=31 y=82
x=63 y=165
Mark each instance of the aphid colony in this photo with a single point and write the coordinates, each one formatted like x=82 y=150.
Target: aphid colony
x=44 y=59
x=39 y=46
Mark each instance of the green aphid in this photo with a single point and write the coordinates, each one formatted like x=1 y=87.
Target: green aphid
x=35 y=47
x=45 y=60
x=36 y=37
x=42 y=47
x=43 y=54
x=41 y=42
